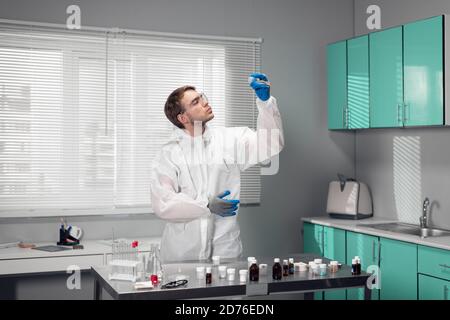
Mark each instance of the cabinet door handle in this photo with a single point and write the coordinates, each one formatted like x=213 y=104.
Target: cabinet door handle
x=343 y=117
x=348 y=117
x=405 y=109
x=445 y=292
x=379 y=252
x=444 y=266
x=373 y=250
x=399 y=119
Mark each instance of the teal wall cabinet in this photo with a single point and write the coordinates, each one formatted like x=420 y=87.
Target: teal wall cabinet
x=358 y=83
x=386 y=78
x=424 y=72
x=337 y=85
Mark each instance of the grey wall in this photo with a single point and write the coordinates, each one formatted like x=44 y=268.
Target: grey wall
x=403 y=166
x=295 y=34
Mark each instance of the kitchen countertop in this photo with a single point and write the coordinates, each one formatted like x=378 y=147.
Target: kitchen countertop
x=356 y=226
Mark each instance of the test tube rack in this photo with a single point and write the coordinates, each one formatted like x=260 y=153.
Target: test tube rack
x=125 y=263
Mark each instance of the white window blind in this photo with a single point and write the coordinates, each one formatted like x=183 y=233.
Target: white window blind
x=81 y=113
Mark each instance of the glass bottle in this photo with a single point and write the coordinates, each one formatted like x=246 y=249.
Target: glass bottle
x=276 y=269
x=285 y=268
x=291 y=265
x=208 y=275
x=254 y=271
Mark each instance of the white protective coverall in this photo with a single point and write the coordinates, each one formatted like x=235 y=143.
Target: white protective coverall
x=189 y=171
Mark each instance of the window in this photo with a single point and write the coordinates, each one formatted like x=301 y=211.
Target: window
x=81 y=113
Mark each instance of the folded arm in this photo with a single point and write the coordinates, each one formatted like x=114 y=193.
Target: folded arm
x=168 y=202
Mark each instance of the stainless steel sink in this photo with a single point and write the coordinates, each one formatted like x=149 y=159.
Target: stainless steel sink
x=408 y=229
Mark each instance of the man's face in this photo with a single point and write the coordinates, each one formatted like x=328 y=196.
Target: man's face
x=196 y=107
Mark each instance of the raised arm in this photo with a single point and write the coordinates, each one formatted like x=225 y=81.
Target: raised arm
x=268 y=140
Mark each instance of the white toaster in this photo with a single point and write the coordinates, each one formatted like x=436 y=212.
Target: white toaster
x=349 y=199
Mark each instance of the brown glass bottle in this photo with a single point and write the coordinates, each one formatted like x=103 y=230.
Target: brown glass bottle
x=291 y=266
x=208 y=275
x=285 y=268
x=254 y=271
x=277 y=271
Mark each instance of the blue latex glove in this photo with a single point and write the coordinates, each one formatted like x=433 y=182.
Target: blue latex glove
x=262 y=89
x=223 y=207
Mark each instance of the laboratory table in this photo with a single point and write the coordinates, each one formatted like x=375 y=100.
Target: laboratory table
x=196 y=289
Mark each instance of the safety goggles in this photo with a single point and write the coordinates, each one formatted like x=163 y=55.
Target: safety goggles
x=174 y=284
x=201 y=97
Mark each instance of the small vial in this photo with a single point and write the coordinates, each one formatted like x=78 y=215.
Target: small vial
x=315 y=270
x=323 y=269
x=358 y=265
x=200 y=273
x=254 y=271
x=222 y=272
x=276 y=269
x=334 y=267
x=262 y=269
x=208 y=275
x=216 y=260
x=231 y=274
x=291 y=265
x=302 y=267
x=354 y=267
x=243 y=275
x=285 y=268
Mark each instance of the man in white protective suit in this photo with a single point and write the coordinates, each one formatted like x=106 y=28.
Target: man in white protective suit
x=195 y=180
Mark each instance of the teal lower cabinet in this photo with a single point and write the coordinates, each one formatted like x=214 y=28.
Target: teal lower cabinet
x=334 y=249
x=406 y=271
x=398 y=270
x=312 y=238
x=434 y=273
x=367 y=248
x=434 y=262
x=431 y=288
x=313 y=243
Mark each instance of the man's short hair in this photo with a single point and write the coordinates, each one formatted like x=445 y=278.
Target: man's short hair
x=173 y=106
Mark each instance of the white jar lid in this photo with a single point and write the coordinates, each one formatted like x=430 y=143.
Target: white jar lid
x=200 y=269
x=334 y=263
x=291 y=260
x=231 y=271
x=318 y=261
x=353 y=261
x=276 y=260
x=262 y=265
x=208 y=270
x=249 y=259
x=243 y=272
x=222 y=268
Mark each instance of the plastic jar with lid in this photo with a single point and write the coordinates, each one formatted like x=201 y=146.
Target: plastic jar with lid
x=231 y=272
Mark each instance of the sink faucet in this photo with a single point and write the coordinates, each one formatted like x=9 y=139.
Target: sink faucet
x=424 y=217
